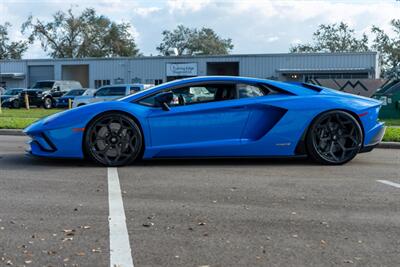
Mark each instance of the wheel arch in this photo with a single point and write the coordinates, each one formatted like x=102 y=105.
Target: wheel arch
x=301 y=148
x=114 y=111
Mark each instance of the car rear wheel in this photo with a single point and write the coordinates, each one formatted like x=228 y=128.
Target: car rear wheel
x=48 y=103
x=334 y=138
x=113 y=140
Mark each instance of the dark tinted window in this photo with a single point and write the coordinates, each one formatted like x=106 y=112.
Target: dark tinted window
x=117 y=91
x=247 y=90
x=134 y=89
x=111 y=91
x=197 y=94
x=12 y=92
x=43 y=85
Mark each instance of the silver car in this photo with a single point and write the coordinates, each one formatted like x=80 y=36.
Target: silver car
x=108 y=93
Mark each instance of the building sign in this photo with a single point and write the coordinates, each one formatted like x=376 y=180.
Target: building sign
x=181 y=69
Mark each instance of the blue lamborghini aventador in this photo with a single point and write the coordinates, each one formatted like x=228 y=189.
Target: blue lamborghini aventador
x=216 y=116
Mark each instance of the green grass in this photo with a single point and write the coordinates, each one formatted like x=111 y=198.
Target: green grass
x=20 y=118
x=392 y=134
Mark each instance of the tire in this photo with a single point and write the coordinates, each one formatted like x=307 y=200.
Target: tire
x=113 y=139
x=334 y=138
x=48 y=103
x=15 y=104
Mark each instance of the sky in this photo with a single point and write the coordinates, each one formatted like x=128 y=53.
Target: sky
x=255 y=26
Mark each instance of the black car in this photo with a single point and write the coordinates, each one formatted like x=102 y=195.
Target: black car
x=46 y=93
x=10 y=98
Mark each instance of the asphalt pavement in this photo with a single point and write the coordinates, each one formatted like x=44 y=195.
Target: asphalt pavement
x=222 y=212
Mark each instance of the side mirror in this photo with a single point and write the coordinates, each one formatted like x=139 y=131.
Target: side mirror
x=163 y=99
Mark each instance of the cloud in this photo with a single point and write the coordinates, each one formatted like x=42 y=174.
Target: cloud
x=146 y=11
x=187 y=5
x=272 y=39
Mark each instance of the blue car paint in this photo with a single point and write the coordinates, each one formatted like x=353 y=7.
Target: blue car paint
x=270 y=125
x=62 y=102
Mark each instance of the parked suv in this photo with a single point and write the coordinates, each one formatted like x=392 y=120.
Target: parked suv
x=109 y=92
x=46 y=93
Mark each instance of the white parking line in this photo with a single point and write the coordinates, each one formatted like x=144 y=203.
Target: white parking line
x=389 y=183
x=120 y=249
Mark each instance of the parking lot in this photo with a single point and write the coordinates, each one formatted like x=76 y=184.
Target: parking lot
x=223 y=212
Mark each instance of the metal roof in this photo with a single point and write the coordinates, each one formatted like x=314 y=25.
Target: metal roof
x=322 y=70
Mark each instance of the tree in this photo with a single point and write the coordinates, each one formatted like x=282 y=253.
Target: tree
x=86 y=35
x=333 y=38
x=389 y=49
x=194 y=42
x=10 y=50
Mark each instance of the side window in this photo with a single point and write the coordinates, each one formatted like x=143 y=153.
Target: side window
x=203 y=93
x=134 y=89
x=246 y=91
x=102 y=91
x=197 y=94
x=117 y=91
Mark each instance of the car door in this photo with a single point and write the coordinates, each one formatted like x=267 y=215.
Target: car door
x=198 y=125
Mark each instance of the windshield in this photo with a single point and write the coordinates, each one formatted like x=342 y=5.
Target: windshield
x=43 y=85
x=75 y=93
x=12 y=92
x=89 y=92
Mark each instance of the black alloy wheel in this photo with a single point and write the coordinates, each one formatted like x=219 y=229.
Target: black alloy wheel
x=334 y=138
x=113 y=140
x=48 y=103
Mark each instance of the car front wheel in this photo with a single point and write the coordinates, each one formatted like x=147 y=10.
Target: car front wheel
x=48 y=103
x=113 y=140
x=334 y=138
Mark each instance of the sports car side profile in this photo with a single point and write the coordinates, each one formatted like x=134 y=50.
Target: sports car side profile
x=214 y=116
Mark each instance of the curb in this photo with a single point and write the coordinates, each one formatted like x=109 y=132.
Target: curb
x=17 y=132
x=392 y=145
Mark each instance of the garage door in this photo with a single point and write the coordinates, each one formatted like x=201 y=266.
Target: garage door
x=37 y=73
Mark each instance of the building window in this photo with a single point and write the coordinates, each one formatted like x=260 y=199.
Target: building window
x=136 y=80
x=100 y=83
x=153 y=81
